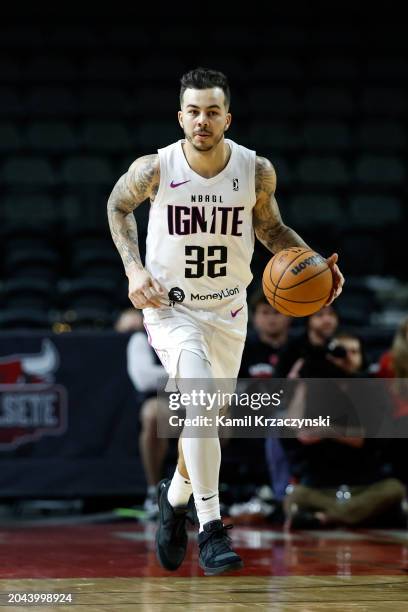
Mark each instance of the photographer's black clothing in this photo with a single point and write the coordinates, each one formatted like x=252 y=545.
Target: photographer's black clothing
x=259 y=360
x=328 y=463
x=296 y=348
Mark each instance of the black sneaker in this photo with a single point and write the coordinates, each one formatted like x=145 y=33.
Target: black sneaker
x=171 y=537
x=216 y=555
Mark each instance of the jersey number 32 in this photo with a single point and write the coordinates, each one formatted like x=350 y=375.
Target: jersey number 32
x=200 y=265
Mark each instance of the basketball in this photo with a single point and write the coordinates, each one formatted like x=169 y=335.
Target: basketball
x=297 y=282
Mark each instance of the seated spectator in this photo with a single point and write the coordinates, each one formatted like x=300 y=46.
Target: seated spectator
x=320 y=328
x=145 y=370
x=340 y=480
x=394 y=365
x=263 y=347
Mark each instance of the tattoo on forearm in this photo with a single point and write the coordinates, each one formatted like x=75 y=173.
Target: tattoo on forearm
x=268 y=224
x=141 y=182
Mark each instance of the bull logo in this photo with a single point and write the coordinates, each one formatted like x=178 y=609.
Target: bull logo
x=31 y=405
x=34 y=368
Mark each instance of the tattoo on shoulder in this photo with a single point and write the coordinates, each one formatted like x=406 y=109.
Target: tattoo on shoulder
x=265 y=176
x=143 y=177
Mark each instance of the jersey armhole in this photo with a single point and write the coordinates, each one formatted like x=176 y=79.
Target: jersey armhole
x=163 y=180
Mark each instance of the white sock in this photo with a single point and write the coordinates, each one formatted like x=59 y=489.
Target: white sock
x=202 y=456
x=203 y=459
x=179 y=491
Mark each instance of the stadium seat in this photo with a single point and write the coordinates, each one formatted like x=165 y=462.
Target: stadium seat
x=21 y=37
x=382 y=136
x=324 y=39
x=149 y=135
x=96 y=262
x=10 y=138
x=10 y=70
x=386 y=171
x=323 y=171
x=74 y=36
x=234 y=66
x=83 y=211
x=274 y=102
x=161 y=101
x=27 y=293
x=87 y=293
x=169 y=68
x=47 y=101
x=49 y=69
x=328 y=102
x=24 y=319
x=107 y=136
x=276 y=70
x=35 y=263
x=18 y=209
x=88 y=318
x=315 y=210
x=11 y=104
x=86 y=170
x=52 y=137
x=375 y=211
x=355 y=308
x=362 y=255
x=318 y=136
x=283 y=171
x=130 y=35
x=384 y=102
x=111 y=68
x=333 y=69
x=27 y=171
x=107 y=102
x=382 y=69
x=276 y=136
x=24 y=236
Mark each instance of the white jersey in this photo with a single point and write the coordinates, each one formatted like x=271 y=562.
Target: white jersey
x=200 y=237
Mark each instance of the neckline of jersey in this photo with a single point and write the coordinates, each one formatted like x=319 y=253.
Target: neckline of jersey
x=202 y=179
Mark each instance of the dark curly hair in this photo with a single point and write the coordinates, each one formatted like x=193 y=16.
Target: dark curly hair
x=203 y=78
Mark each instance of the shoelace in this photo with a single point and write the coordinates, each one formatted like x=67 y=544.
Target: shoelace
x=177 y=523
x=220 y=540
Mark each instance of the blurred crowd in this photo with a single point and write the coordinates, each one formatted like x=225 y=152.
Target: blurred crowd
x=316 y=479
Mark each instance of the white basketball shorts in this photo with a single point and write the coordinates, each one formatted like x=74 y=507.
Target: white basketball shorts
x=215 y=337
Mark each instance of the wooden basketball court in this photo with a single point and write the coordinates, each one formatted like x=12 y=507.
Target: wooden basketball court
x=112 y=567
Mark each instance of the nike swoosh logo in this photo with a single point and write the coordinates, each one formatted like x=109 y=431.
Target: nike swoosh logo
x=173 y=185
x=235 y=312
x=207 y=498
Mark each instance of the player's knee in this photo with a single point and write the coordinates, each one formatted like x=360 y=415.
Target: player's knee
x=149 y=413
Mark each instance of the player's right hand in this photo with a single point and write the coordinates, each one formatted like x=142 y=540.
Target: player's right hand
x=145 y=291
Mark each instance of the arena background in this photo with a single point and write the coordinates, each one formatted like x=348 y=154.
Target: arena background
x=319 y=92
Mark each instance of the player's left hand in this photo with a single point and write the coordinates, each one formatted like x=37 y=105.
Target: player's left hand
x=338 y=278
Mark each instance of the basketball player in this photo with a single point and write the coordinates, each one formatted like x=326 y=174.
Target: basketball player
x=208 y=197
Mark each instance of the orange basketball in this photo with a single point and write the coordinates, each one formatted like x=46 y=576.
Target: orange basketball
x=297 y=282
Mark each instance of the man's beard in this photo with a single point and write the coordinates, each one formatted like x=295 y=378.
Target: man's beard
x=203 y=147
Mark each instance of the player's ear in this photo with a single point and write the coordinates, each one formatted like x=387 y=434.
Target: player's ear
x=228 y=119
x=180 y=118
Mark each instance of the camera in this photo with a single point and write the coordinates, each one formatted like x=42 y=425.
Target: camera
x=335 y=350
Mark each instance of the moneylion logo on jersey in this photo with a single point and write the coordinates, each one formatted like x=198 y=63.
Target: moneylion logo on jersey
x=219 y=295
x=235 y=184
x=176 y=295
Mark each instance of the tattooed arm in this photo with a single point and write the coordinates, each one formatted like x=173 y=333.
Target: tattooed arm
x=138 y=184
x=268 y=224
